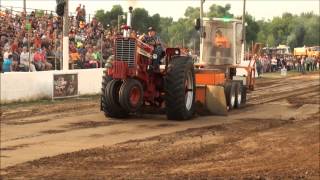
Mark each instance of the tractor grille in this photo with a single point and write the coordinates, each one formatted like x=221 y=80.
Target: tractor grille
x=125 y=51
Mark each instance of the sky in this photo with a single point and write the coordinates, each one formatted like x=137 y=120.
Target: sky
x=260 y=9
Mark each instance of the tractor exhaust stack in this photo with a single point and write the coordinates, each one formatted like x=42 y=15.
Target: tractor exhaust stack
x=127 y=31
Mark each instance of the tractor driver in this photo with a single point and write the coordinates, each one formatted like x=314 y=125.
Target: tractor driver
x=221 y=41
x=154 y=40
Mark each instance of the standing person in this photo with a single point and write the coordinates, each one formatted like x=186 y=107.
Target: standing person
x=314 y=63
x=78 y=11
x=299 y=67
x=303 y=62
x=259 y=65
x=24 y=60
x=278 y=63
x=7 y=64
x=83 y=13
x=273 y=64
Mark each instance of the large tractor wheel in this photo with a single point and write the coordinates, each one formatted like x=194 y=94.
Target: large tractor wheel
x=230 y=92
x=131 y=95
x=105 y=80
x=111 y=105
x=239 y=93
x=244 y=95
x=180 y=89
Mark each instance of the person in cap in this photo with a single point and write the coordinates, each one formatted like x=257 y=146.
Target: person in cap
x=155 y=41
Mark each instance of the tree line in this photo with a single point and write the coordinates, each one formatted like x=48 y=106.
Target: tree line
x=289 y=29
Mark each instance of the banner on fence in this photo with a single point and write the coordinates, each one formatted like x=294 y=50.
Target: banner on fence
x=65 y=85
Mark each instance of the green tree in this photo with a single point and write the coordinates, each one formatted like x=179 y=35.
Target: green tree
x=216 y=11
x=252 y=29
x=140 y=19
x=165 y=24
x=109 y=17
x=192 y=13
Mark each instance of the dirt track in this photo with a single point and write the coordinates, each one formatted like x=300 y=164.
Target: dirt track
x=275 y=137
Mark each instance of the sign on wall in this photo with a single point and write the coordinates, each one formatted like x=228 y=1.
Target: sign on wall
x=65 y=85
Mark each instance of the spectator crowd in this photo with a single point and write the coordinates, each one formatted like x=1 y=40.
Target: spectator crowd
x=33 y=42
x=273 y=63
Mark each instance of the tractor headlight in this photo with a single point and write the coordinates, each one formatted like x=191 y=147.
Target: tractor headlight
x=154 y=56
x=176 y=52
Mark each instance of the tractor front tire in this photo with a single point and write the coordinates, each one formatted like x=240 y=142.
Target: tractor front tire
x=105 y=80
x=180 y=89
x=131 y=95
x=111 y=106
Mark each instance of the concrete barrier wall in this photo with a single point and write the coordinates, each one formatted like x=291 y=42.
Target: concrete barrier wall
x=26 y=86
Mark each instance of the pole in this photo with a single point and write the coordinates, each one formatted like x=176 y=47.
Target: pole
x=101 y=50
x=24 y=6
x=183 y=43
x=65 y=42
x=252 y=47
x=243 y=30
x=29 y=50
x=55 y=50
x=201 y=30
x=201 y=20
x=119 y=23
x=194 y=46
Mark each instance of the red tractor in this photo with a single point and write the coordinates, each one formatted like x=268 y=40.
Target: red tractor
x=130 y=82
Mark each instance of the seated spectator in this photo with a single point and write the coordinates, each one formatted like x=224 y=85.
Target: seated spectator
x=75 y=58
x=15 y=59
x=24 y=61
x=48 y=66
x=37 y=41
x=38 y=60
x=7 y=64
x=96 y=54
x=90 y=62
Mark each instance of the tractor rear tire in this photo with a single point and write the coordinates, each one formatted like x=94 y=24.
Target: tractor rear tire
x=180 y=89
x=244 y=95
x=112 y=107
x=131 y=95
x=239 y=93
x=230 y=92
